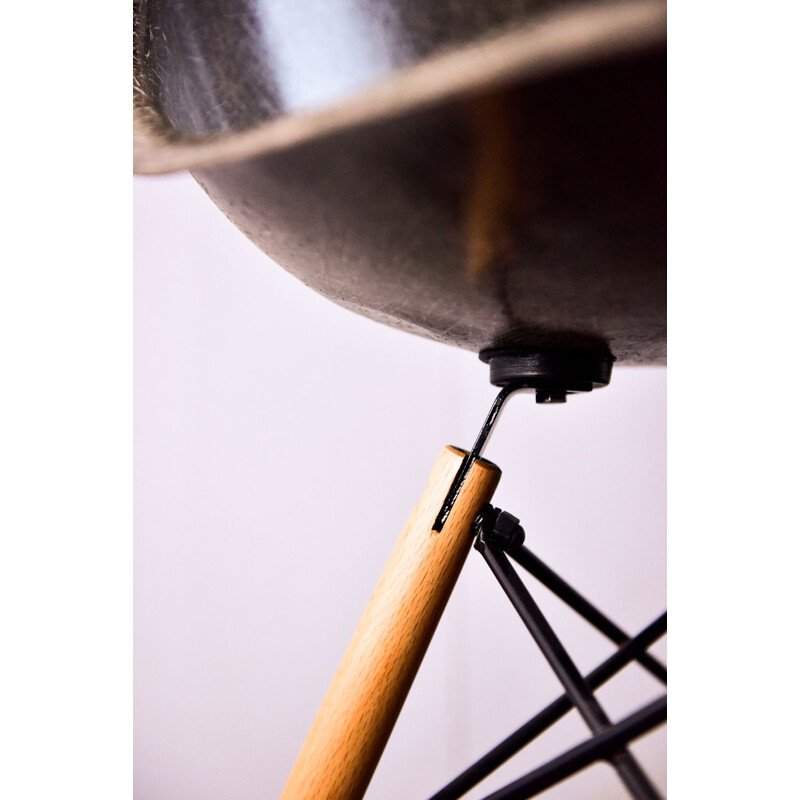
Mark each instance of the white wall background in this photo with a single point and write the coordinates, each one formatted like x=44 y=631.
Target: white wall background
x=280 y=443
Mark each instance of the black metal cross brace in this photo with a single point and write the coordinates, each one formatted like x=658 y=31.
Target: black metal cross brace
x=608 y=741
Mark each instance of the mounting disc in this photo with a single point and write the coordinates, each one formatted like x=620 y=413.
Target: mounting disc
x=554 y=373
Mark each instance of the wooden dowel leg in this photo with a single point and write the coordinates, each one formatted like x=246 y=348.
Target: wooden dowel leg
x=364 y=700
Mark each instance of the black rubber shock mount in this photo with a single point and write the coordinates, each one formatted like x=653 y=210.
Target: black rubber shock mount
x=554 y=373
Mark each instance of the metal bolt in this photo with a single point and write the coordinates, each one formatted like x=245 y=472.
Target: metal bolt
x=503 y=528
x=507 y=531
x=551 y=396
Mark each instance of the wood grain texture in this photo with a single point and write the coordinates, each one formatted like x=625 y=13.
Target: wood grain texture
x=364 y=700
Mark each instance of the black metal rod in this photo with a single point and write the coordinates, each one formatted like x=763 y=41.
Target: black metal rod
x=559 y=587
x=477 y=449
x=571 y=679
x=525 y=734
x=600 y=746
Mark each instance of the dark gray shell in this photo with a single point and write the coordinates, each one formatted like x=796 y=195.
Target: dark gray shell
x=524 y=211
